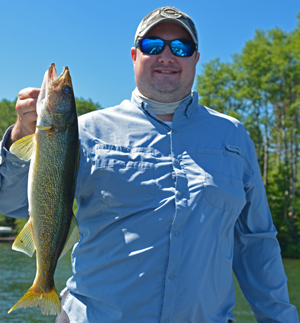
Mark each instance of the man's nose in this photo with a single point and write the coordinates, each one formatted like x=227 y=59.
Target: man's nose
x=166 y=56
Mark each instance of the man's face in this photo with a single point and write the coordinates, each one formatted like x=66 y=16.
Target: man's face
x=165 y=77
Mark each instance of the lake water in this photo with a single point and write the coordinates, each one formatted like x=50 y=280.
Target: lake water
x=17 y=272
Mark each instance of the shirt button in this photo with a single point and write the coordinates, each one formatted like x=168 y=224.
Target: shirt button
x=180 y=194
x=176 y=233
x=171 y=276
x=15 y=164
x=177 y=161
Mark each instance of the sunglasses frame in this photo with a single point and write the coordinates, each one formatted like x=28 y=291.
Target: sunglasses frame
x=166 y=42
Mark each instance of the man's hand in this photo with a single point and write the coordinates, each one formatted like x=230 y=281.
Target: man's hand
x=26 y=110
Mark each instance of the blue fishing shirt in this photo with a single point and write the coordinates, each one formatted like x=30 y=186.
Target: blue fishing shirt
x=165 y=215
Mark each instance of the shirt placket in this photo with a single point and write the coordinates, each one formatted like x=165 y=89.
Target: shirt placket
x=181 y=190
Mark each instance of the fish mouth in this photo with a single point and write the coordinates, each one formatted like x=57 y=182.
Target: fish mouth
x=52 y=75
x=63 y=79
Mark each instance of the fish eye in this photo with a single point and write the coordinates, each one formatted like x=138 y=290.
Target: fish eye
x=67 y=89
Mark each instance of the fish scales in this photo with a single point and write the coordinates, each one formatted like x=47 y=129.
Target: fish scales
x=54 y=153
x=55 y=198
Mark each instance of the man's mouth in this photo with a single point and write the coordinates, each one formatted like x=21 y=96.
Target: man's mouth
x=165 y=72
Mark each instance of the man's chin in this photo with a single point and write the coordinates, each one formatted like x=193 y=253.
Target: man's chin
x=167 y=95
x=164 y=87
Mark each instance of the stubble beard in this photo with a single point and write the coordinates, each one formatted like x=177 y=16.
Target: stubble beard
x=163 y=92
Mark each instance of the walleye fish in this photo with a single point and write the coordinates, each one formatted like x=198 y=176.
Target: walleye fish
x=53 y=152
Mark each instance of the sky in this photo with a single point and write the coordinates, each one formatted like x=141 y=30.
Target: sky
x=93 y=38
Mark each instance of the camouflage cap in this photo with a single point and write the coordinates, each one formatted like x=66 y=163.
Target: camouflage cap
x=166 y=14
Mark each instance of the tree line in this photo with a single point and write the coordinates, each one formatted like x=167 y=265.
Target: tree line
x=261 y=88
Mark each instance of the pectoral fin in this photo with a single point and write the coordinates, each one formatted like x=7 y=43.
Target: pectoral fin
x=44 y=127
x=72 y=237
x=24 y=241
x=24 y=147
x=43 y=123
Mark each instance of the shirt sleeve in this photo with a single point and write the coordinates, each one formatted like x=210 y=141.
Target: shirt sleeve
x=257 y=262
x=13 y=182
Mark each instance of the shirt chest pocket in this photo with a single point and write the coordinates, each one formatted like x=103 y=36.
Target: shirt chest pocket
x=126 y=176
x=223 y=171
x=224 y=192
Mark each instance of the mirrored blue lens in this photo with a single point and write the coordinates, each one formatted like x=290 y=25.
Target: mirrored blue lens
x=181 y=48
x=152 y=46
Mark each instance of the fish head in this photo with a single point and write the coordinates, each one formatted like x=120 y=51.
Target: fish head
x=56 y=102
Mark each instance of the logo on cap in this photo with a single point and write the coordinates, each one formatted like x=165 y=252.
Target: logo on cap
x=170 y=12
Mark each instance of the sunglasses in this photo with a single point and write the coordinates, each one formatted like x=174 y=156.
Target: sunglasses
x=154 y=46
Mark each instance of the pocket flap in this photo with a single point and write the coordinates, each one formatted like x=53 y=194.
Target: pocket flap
x=234 y=149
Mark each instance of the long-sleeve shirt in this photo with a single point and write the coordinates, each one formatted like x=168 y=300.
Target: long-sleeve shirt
x=165 y=214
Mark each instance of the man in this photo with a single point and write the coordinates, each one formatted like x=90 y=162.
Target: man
x=170 y=198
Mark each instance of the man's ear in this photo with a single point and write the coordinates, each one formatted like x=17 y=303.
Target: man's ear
x=133 y=54
x=197 y=57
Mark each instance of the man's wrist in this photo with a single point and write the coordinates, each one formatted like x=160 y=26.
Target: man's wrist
x=9 y=140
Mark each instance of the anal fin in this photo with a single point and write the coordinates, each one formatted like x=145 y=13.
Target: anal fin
x=24 y=241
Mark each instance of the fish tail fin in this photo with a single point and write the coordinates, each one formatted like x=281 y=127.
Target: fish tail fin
x=48 y=302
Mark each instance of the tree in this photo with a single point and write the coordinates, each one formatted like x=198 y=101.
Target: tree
x=84 y=106
x=217 y=87
x=8 y=115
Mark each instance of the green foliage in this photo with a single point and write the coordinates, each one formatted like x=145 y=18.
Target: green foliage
x=217 y=87
x=6 y=221
x=8 y=115
x=84 y=106
x=261 y=88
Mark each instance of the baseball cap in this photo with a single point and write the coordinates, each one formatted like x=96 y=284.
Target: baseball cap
x=170 y=14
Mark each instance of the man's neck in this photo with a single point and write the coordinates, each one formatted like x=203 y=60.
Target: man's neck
x=163 y=111
x=165 y=117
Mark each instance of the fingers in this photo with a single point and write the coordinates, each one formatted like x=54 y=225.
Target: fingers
x=25 y=106
x=27 y=116
x=26 y=110
x=26 y=103
x=29 y=92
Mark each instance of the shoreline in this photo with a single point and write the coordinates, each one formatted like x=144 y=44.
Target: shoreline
x=7 y=239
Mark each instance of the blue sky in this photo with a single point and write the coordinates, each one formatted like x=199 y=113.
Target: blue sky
x=93 y=38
